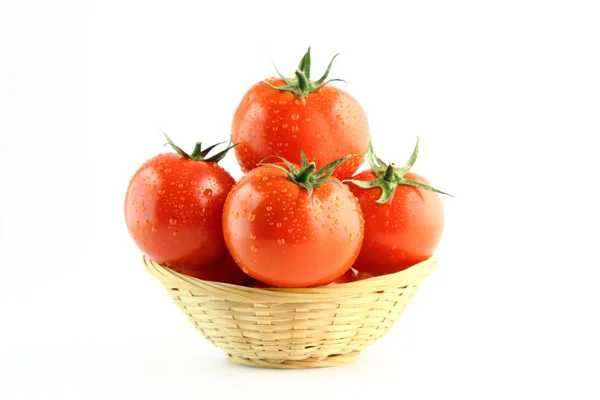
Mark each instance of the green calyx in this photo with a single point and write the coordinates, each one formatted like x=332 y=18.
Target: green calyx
x=388 y=177
x=198 y=154
x=302 y=86
x=307 y=176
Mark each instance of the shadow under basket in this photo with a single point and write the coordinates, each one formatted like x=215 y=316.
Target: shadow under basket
x=293 y=328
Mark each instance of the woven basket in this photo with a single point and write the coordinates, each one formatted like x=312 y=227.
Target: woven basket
x=293 y=328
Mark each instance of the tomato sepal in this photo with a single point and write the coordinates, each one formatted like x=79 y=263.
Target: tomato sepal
x=388 y=177
x=198 y=154
x=302 y=86
x=307 y=177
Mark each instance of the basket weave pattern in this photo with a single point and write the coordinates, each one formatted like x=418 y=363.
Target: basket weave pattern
x=293 y=328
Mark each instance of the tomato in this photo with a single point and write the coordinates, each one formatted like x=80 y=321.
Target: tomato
x=224 y=270
x=293 y=228
x=404 y=216
x=280 y=117
x=174 y=205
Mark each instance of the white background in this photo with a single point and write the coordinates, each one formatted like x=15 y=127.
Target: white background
x=505 y=96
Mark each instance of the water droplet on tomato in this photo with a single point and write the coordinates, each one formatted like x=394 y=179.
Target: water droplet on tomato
x=265 y=178
x=167 y=170
x=252 y=237
x=351 y=236
x=172 y=221
x=295 y=117
x=253 y=248
x=290 y=230
x=236 y=215
x=279 y=224
x=386 y=223
x=284 y=126
x=208 y=193
x=275 y=111
x=269 y=208
x=338 y=117
x=294 y=128
x=160 y=191
x=275 y=129
x=243 y=213
x=176 y=233
x=154 y=229
x=252 y=217
x=137 y=223
x=281 y=241
x=337 y=222
x=146 y=223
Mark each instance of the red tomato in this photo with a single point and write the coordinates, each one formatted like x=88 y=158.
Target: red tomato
x=404 y=217
x=173 y=208
x=224 y=270
x=298 y=228
x=281 y=117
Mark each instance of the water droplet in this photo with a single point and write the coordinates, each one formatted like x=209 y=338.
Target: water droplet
x=295 y=220
x=284 y=126
x=176 y=233
x=236 y=215
x=337 y=222
x=208 y=193
x=180 y=185
x=281 y=241
x=167 y=170
x=295 y=117
x=265 y=178
x=269 y=208
x=279 y=224
x=137 y=223
x=338 y=117
x=346 y=228
x=285 y=218
x=146 y=223
x=294 y=128
x=160 y=191
x=172 y=221
x=290 y=230
x=351 y=236
x=275 y=129
x=180 y=206
x=154 y=229
x=275 y=111
x=254 y=249
x=283 y=190
x=252 y=217
x=271 y=223
x=243 y=212
x=253 y=237
x=386 y=223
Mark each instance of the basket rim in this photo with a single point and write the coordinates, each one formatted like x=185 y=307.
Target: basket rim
x=173 y=279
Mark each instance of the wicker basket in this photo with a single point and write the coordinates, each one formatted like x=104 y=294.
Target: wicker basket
x=293 y=328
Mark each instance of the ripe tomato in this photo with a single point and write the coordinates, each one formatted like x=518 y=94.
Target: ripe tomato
x=404 y=216
x=283 y=116
x=174 y=205
x=224 y=270
x=293 y=228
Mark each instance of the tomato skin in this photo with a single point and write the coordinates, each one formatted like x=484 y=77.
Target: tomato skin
x=327 y=124
x=401 y=232
x=349 y=276
x=173 y=210
x=282 y=238
x=224 y=270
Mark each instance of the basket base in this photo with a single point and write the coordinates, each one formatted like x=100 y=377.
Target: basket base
x=330 y=361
